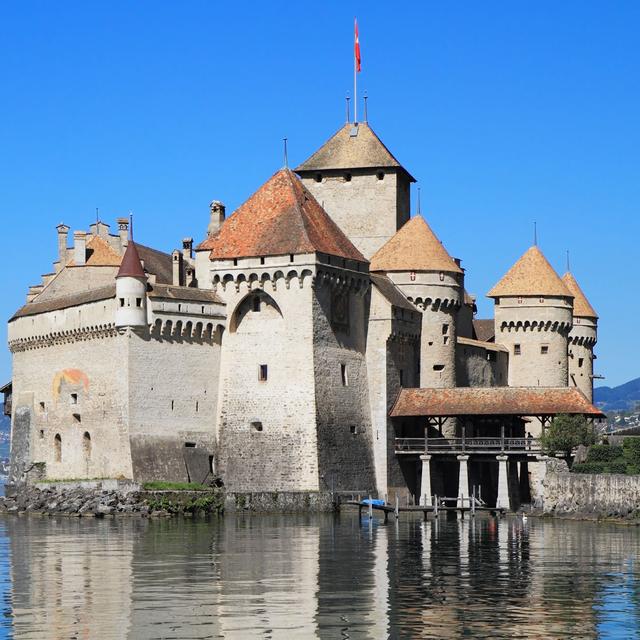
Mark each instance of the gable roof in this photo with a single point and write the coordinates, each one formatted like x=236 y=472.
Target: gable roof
x=130 y=266
x=581 y=306
x=353 y=146
x=414 y=248
x=101 y=254
x=531 y=275
x=391 y=293
x=281 y=218
x=484 y=329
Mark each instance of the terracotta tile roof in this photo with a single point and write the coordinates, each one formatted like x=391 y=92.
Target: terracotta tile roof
x=484 y=330
x=531 y=275
x=130 y=266
x=413 y=248
x=101 y=254
x=191 y=294
x=281 y=218
x=63 y=302
x=346 y=151
x=581 y=306
x=476 y=401
x=389 y=290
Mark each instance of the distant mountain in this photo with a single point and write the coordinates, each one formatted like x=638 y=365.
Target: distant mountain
x=622 y=398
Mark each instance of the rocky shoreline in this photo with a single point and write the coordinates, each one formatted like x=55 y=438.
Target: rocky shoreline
x=77 y=499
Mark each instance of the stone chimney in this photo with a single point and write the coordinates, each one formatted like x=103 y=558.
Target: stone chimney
x=187 y=249
x=123 y=232
x=63 y=232
x=79 y=248
x=217 y=212
x=176 y=259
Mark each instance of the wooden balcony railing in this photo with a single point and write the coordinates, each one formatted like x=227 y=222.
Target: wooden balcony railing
x=489 y=446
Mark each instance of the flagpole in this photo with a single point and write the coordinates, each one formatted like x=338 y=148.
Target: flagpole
x=355 y=86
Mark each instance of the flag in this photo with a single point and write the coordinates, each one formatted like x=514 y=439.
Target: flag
x=356 y=47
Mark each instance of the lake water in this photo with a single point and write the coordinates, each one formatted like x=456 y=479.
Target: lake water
x=317 y=576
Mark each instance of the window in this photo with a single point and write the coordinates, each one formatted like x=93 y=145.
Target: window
x=263 y=373
x=445 y=340
x=86 y=445
x=76 y=417
x=344 y=375
x=57 y=447
x=380 y=175
x=197 y=406
x=122 y=302
x=179 y=307
x=235 y=262
x=172 y=405
x=544 y=349
x=519 y=300
x=291 y=257
x=438 y=367
x=347 y=177
x=441 y=276
x=353 y=429
x=41 y=434
x=445 y=329
x=74 y=398
x=491 y=356
x=541 y=299
x=580 y=361
x=262 y=260
x=138 y=302
x=202 y=310
x=256 y=426
x=318 y=177
x=516 y=350
x=256 y=304
x=43 y=406
x=190 y=445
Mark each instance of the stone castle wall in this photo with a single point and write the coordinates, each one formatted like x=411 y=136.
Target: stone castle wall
x=479 y=365
x=582 y=340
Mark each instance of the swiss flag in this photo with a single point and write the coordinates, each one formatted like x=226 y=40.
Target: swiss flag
x=356 y=47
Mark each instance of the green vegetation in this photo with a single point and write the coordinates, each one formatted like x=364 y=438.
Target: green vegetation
x=565 y=433
x=174 y=486
x=603 y=458
x=210 y=503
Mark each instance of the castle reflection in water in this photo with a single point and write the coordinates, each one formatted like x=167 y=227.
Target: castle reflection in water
x=316 y=576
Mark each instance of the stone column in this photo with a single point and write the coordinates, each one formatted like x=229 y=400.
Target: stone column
x=502 y=502
x=425 y=483
x=463 y=481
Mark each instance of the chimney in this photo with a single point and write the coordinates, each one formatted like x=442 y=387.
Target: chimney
x=177 y=268
x=216 y=211
x=63 y=232
x=123 y=232
x=187 y=249
x=79 y=248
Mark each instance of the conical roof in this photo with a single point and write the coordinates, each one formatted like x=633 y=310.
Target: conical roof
x=281 y=218
x=414 y=248
x=581 y=306
x=131 y=267
x=353 y=146
x=531 y=275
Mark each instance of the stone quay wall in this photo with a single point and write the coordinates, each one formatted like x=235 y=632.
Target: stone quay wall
x=591 y=496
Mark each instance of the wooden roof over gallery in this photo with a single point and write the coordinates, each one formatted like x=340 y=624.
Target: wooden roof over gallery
x=492 y=401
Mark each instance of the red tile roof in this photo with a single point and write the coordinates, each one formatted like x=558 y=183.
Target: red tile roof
x=281 y=218
x=476 y=401
x=131 y=266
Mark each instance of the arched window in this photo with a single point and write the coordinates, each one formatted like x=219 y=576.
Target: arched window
x=57 y=447
x=86 y=445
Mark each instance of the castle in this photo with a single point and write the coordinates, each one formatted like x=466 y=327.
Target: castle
x=316 y=339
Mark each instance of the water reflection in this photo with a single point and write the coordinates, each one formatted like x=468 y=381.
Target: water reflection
x=317 y=576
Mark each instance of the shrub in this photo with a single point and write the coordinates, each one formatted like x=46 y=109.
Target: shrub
x=603 y=453
x=631 y=449
x=566 y=432
x=617 y=466
x=588 y=467
x=174 y=486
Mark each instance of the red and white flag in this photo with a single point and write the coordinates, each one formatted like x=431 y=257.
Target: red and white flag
x=356 y=47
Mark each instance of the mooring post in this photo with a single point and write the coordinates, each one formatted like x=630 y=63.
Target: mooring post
x=473 y=503
x=370 y=509
x=437 y=502
x=397 y=509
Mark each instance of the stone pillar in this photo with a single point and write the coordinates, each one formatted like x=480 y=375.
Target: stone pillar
x=79 y=248
x=463 y=481
x=63 y=232
x=425 y=483
x=502 y=501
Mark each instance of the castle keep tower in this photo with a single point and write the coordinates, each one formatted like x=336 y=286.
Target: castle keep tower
x=533 y=317
x=131 y=290
x=417 y=262
x=294 y=411
x=360 y=185
x=582 y=338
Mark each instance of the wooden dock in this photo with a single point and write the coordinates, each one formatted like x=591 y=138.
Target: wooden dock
x=439 y=507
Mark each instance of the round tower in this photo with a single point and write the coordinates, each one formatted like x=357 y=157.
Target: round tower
x=422 y=269
x=533 y=317
x=582 y=339
x=131 y=290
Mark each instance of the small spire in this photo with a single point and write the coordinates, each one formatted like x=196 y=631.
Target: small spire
x=348 y=112
x=286 y=159
x=366 y=97
x=419 y=207
x=130 y=226
x=97 y=216
x=535 y=233
x=568 y=263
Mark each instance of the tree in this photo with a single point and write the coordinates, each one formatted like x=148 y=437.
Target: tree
x=565 y=433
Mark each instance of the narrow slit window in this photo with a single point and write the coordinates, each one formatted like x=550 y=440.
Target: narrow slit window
x=43 y=406
x=197 y=406
x=353 y=429
x=122 y=302
x=138 y=302
x=263 y=373
x=516 y=350
x=57 y=446
x=256 y=426
x=344 y=376
x=544 y=349
x=438 y=367
x=74 y=398
x=77 y=418
x=580 y=362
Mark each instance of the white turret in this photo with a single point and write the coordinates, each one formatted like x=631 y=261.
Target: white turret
x=131 y=290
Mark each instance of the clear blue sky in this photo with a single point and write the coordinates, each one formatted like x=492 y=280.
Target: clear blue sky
x=505 y=112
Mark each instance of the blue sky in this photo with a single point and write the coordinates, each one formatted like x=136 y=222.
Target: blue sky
x=505 y=112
